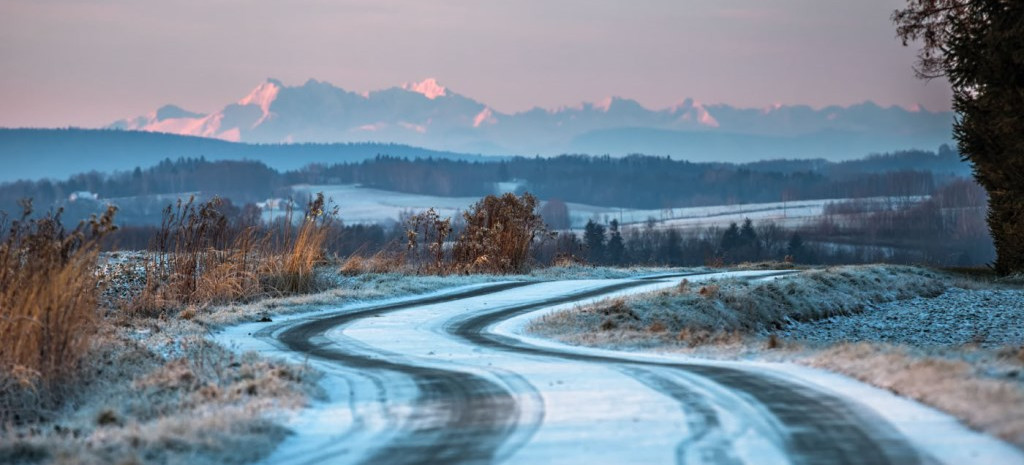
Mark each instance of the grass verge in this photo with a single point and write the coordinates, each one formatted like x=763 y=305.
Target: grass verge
x=695 y=313
x=982 y=389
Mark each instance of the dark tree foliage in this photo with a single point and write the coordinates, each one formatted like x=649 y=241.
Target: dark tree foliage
x=615 y=251
x=632 y=182
x=979 y=46
x=593 y=237
x=731 y=237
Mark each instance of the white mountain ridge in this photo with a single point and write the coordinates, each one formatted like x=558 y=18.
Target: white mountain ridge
x=430 y=115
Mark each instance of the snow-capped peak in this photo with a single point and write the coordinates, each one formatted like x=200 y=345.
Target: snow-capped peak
x=428 y=87
x=604 y=104
x=486 y=116
x=692 y=110
x=263 y=95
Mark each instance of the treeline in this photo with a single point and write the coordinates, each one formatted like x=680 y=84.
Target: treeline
x=947 y=230
x=630 y=182
x=240 y=181
x=58 y=153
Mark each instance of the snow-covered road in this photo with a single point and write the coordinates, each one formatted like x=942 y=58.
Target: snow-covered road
x=451 y=378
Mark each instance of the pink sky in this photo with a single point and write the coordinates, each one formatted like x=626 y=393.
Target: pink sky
x=88 y=63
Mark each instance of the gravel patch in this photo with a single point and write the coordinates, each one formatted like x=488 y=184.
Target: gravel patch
x=988 y=318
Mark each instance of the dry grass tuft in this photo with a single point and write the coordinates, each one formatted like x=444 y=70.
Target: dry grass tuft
x=200 y=260
x=380 y=262
x=709 y=292
x=48 y=309
x=993 y=405
x=293 y=273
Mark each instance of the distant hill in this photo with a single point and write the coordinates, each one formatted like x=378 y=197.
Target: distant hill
x=427 y=114
x=59 y=153
x=741 y=148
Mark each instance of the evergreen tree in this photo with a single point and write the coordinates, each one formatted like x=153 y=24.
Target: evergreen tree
x=796 y=249
x=750 y=246
x=979 y=46
x=730 y=238
x=593 y=237
x=672 y=248
x=747 y=235
x=616 y=249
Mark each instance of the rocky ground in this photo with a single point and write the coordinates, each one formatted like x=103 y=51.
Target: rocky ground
x=987 y=318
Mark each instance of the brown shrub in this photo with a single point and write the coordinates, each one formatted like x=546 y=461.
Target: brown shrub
x=498 y=235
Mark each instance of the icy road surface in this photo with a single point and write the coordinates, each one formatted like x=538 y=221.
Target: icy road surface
x=451 y=378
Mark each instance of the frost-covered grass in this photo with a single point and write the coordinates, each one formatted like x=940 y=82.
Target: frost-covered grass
x=160 y=392
x=982 y=388
x=696 y=313
x=343 y=290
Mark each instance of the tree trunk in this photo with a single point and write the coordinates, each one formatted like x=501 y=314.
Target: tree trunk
x=1006 y=222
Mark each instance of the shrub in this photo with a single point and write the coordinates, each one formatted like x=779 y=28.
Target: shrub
x=498 y=234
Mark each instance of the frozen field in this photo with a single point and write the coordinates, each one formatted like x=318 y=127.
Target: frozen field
x=365 y=205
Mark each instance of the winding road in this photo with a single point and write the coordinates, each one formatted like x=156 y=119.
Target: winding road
x=452 y=378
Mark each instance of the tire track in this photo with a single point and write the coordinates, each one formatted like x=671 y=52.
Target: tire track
x=459 y=417
x=820 y=428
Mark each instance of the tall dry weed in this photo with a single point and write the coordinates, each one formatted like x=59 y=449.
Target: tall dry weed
x=48 y=308
x=200 y=259
x=197 y=258
x=293 y=271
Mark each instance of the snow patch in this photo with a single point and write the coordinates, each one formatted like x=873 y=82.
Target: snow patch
x=485 y=116
x=428 y=87
x=415 y=127
x=262 y=96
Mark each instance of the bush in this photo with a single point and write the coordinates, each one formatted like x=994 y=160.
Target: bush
x=498 y=234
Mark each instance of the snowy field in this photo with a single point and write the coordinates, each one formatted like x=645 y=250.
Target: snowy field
x=365 y=205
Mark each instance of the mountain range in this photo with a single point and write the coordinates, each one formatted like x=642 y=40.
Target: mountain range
x=428 y=114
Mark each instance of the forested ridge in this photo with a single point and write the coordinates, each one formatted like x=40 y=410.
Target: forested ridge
x=631 y=182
